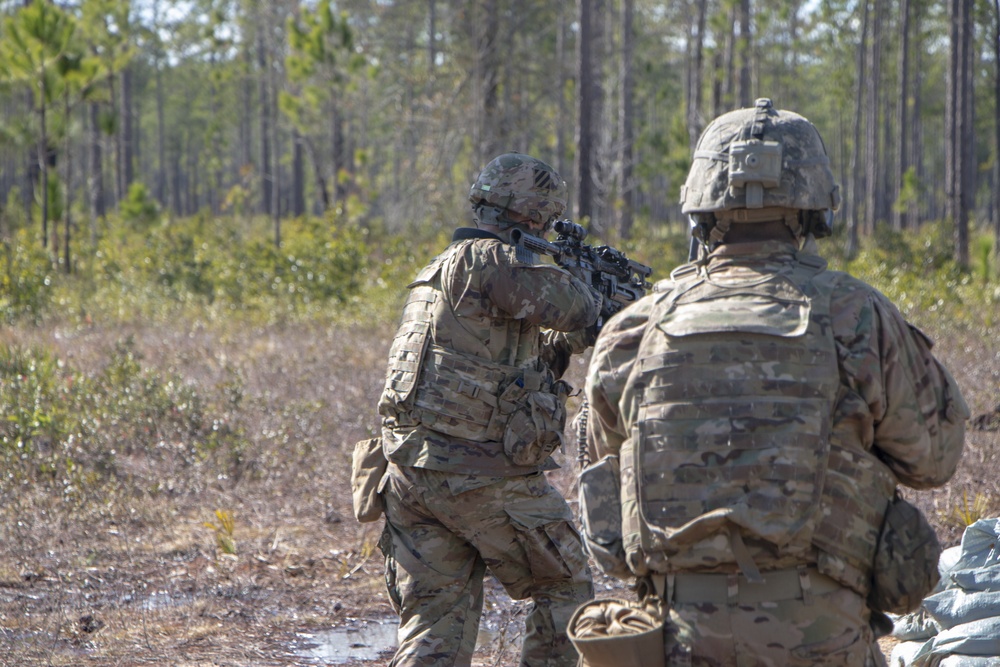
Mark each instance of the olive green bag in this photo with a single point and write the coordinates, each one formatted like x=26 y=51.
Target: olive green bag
x=906 y=559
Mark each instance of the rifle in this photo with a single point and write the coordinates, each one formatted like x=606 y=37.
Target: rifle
x=620 y=280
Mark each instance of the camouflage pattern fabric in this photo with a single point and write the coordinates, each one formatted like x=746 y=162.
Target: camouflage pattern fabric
x=444 y=536
x=721 y=178
x=481 y=326
x=497 y=309
x=894 y=399
x=830 y=631
x=521 y=183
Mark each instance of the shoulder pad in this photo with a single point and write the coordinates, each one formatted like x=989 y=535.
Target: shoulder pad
x=429 y=272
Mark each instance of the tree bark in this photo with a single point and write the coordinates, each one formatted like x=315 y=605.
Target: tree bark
x=625 y=114
x=996 y=127
x=745 y=53
x=873 y=77
x=486 y=25
x=264 y=103
x=562 y=78
x=958 y=126
x=858 y=186
x=95 y=170
x=298 y=177
x=586 y=139
x=899 y=215
x=128 y=153
x=695 y=73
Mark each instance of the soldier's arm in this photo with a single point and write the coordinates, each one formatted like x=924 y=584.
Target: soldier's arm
x=923 y=427
x=610 y=366
x=542 y=294
x=915 y=411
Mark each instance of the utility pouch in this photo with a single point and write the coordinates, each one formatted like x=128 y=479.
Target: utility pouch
x=906 y=559
x=535 y=429
x=618 y=633
x=601 y=515
x=367 y=470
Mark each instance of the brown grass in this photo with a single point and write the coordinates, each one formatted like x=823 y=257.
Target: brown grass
x=129 y=574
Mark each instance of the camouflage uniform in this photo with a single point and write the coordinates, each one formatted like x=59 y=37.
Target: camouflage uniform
x=470 y=359
x=756 y=412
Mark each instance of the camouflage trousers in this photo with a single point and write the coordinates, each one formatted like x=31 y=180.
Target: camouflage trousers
x=442 y=542
x=824 y=628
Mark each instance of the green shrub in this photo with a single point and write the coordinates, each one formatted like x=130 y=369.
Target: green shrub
x=139 y=209
x=69 y=430
x=25 y=279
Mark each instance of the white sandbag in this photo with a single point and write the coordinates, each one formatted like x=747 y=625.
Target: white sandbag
x=915 y=626
x=903 y=652
x=950 y=556
x=977 y=579
x=969 y=661
x=981 y=638
x=957 y=607
x=979 y=545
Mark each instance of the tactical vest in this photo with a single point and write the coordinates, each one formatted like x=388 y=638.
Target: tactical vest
x=740 y=381
x=460 y=394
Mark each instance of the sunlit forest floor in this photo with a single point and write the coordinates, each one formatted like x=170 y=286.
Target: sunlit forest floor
x=194 y=509
x=146 y=571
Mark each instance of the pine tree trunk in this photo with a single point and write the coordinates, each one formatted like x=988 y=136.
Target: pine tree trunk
x=873 y=76
x=264 y=98
x=626 y=113
x=996 y=127
x=487 y=79
x=745 y=51
x=858 y=186
x=95 y=169
x=586 y=132
x=128 y=154
x=899 y=217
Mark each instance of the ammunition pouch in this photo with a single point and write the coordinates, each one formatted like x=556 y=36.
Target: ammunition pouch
x=476 y=399
x=535 y=429
x=906 y=560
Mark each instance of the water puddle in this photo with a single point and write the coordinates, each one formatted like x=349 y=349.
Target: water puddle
x=368 y=640
x=336 y=646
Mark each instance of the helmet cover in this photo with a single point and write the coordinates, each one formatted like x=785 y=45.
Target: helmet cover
x=519 y=183
x=760 y=158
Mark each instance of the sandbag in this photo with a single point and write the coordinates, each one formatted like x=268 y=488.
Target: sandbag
x=977 y=579
x=978 y=638
x=957 y=607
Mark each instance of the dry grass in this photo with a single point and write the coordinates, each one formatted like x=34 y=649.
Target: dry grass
x=132 y=575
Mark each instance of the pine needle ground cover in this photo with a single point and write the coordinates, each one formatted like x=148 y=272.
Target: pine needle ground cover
x=174 y=470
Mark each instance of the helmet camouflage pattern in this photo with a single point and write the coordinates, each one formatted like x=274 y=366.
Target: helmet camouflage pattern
x=760 y=158
x=519 y=183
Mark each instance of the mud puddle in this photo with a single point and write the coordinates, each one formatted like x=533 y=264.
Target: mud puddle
x=361 y=642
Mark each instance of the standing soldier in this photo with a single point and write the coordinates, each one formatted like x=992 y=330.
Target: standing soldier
x=751 y=418
x=471 y=411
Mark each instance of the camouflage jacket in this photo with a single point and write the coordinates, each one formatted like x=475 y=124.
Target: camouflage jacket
x=497 y=317
x=894 y=408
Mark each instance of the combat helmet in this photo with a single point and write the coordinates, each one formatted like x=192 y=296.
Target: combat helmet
x=519 y=183
x=759 y=164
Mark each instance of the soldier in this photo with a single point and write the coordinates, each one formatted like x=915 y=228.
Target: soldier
x=471 y=411
x=751 y=417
